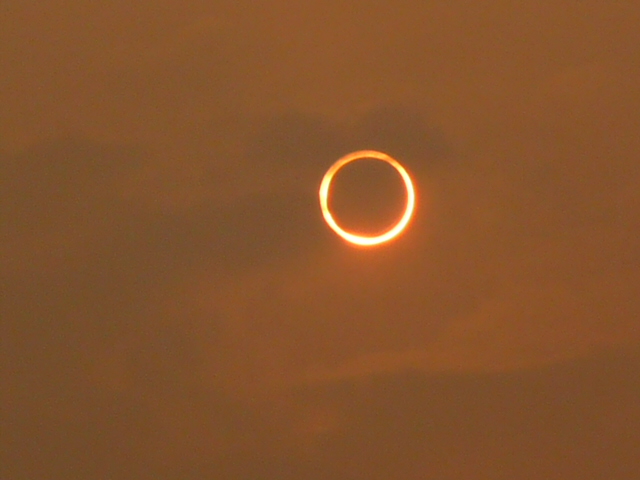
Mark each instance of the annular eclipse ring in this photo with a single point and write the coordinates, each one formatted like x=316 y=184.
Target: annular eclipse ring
x=358 y=239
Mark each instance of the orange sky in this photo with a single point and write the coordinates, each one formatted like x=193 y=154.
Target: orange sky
x=174 y=305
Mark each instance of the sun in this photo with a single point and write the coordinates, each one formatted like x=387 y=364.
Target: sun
x=363 y=240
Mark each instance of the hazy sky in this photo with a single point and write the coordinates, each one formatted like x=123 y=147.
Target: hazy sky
x=174 y=307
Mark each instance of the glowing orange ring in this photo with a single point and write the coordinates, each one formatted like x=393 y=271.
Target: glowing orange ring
x=363 y=240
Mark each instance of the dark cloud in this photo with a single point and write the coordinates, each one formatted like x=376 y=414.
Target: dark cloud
x=408 y=133
x=79 y=185
x=298 y=142
x=101 y=280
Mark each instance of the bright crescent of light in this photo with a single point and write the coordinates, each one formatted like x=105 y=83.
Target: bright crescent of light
x=363 y=240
